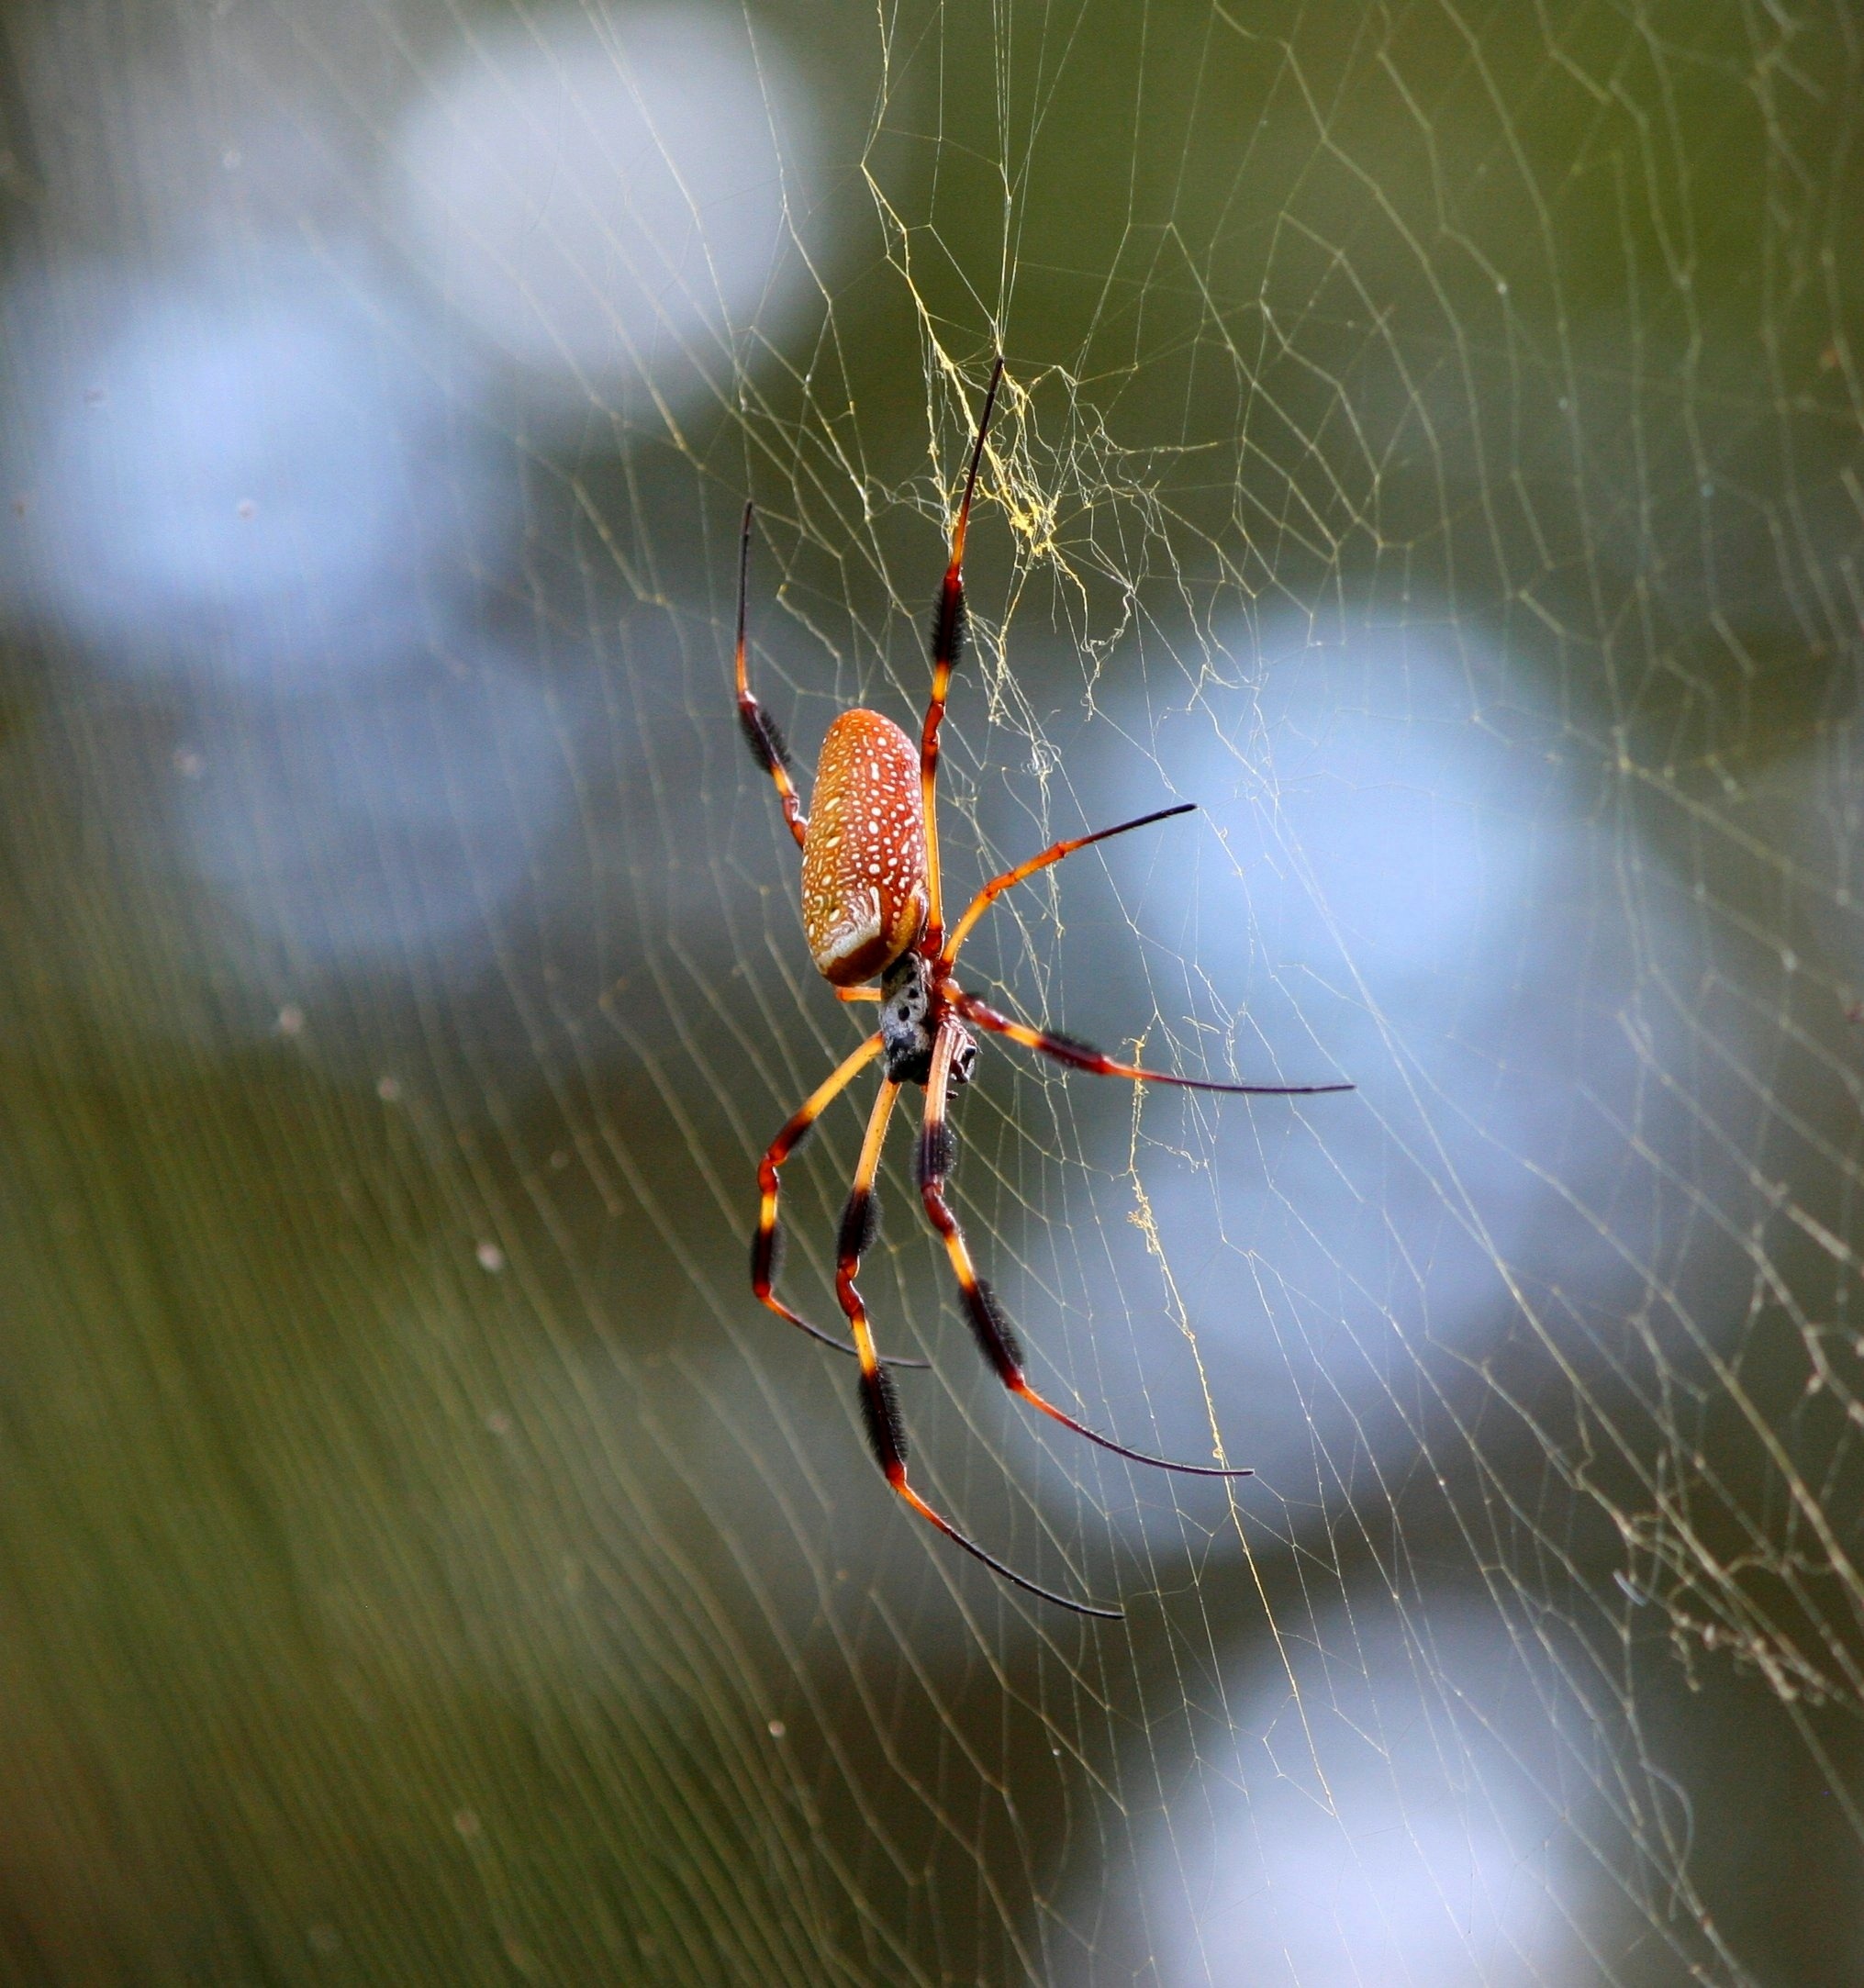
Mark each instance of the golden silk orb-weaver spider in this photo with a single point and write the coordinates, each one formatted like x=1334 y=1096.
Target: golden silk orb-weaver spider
x=870 y=908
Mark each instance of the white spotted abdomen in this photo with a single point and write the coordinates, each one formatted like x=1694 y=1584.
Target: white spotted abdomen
x=863 y=882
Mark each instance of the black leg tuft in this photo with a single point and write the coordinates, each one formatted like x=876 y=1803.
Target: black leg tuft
x=886 y=1429
x=859 y=1225
x=935 y=1156
x=761 y=734
x=948 y=624
x=995 y=1336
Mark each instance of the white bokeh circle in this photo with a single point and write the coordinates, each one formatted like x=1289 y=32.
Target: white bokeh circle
x=612 y=201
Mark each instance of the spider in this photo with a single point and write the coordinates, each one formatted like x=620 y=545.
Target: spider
x=871 y=908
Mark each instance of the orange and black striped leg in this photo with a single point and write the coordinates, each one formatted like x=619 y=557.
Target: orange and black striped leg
x=995 y=888
x=766 y=744
x=1080 y=1056
x=885 y=1430
x=996 y=1339
x=947 y=640
x=766 y=1245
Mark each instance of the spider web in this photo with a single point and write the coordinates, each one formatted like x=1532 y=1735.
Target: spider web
x=1429 y=443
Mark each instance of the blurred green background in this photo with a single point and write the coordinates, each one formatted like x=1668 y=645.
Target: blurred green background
x=1431 y=443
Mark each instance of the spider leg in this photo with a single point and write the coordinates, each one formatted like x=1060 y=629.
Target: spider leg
x=885 y=1430
x=1080 y=1056
x=948 y=637
x=996 y=1338
x=764 y=1243
x=995 y=888
x=766 y=743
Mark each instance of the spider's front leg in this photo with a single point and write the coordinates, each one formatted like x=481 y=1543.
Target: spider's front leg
x=886 y=1429
x=953 y=1057
x=860 y=1221
x=767 y=1244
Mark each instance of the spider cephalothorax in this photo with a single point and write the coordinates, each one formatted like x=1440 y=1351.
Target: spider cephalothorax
x=871 y=906
x=910 y=1018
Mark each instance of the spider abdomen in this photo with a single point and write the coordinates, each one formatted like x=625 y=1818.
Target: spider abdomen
x=864 y=862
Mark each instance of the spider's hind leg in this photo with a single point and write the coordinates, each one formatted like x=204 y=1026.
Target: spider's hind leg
x=947 y=638
x=760 y=729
